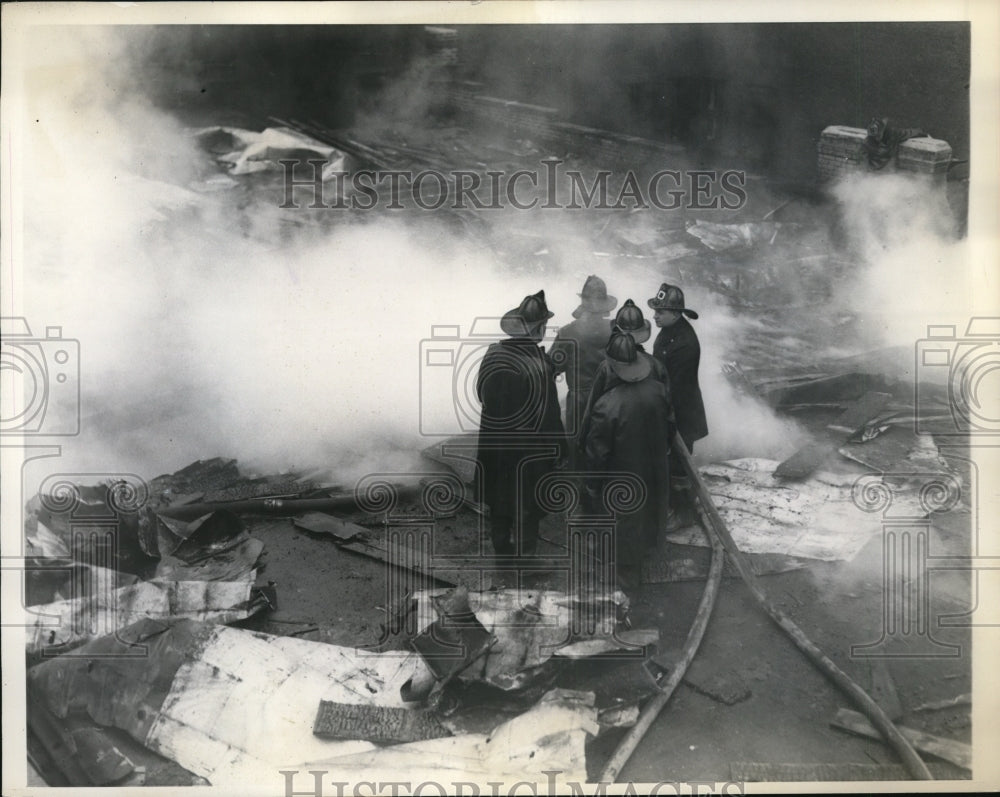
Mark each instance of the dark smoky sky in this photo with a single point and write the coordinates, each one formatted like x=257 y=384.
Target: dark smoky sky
x=756 y=93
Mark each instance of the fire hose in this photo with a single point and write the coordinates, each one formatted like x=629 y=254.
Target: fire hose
x=721 y=539
x=649 y=714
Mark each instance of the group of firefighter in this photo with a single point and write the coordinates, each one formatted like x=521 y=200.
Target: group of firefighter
x=623 y=408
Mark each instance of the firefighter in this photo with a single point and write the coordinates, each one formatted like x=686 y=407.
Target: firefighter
x=628 y=434
x=521 y=436
x=677 y=348
x=628 y=319
x=578 y=349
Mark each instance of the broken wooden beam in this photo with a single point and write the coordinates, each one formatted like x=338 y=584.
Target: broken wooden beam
x=957 y=753
x=848 y=386
x=447 y=570
x=964 y=699
x=402 y=556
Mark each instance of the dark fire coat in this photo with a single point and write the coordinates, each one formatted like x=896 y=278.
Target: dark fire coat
x=605 y=379
x=521 y=436
x=627 y=433
x=578 y=350
x=678 y=349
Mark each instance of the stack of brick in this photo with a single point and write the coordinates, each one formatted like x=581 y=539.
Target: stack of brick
x=929 y=156
x=841 y=151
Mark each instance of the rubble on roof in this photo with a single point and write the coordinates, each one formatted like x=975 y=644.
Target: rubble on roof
x=224 y=703
x=247 y=151
x=528 y=628
x=816 y=518
x=550 y=737
x=231 y=705
x=56 y=627
x=103 y=559
x=720 y=237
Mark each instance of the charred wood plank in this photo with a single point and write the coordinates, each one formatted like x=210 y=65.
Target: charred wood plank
x=379 y=724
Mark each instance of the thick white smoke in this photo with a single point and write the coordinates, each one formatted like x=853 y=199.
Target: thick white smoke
x=207 y=330
x=912 y=269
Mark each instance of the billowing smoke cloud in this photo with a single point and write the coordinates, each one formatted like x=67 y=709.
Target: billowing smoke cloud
x=912 y=269
x=212 y=324
x=207 y=329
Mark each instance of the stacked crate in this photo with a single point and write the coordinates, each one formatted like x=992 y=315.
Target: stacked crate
x=840 y=151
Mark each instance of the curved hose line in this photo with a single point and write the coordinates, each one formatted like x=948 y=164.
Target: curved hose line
x=649 y=714
x=717 y=528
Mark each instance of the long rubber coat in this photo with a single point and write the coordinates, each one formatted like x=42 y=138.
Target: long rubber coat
x=521 y=436
x=629 y=433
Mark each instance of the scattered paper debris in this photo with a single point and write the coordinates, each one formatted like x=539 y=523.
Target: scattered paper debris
x=814 y=519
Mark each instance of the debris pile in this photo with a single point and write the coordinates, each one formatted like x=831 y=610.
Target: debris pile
x=140 y=673
x=145 y=665
x=814 y=518
x=752 y=256
x=96 y=567
x=248 y=151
